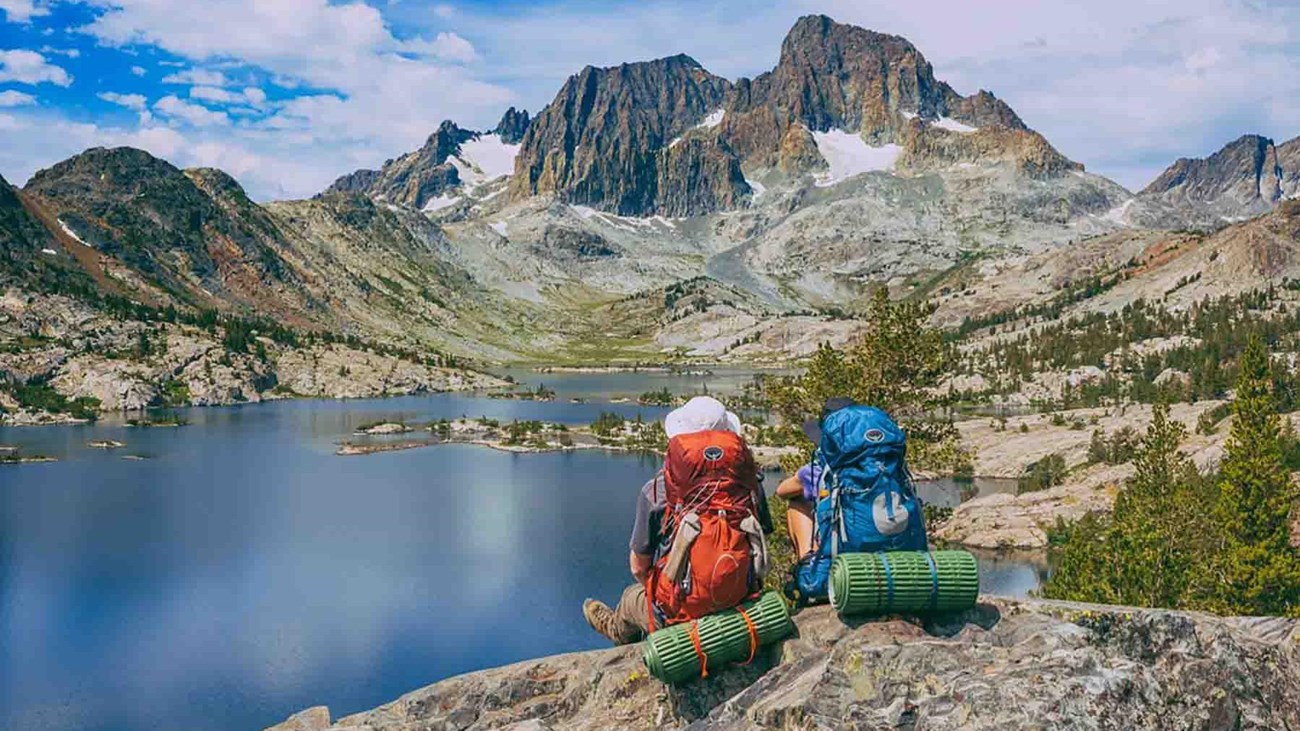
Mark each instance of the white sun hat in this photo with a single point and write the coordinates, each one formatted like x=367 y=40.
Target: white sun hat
x=702 y=413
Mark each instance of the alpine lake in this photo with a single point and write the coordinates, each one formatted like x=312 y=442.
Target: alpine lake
x=235 y=570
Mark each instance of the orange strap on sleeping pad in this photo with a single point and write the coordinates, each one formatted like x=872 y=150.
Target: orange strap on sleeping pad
x=753 y=635
x=699 y=649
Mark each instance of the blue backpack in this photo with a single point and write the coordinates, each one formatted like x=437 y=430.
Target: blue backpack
x=866 y=501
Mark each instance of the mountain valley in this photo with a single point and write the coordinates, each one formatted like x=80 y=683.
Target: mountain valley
x=653 y=212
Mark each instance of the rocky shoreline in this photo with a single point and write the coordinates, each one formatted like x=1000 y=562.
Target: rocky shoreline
x=528 y=438
x=1005 y=664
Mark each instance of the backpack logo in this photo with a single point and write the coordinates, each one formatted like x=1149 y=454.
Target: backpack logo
x=713 y=454
x=889 y=513
x=874 y=435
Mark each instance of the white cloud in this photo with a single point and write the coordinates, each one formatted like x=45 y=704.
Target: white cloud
x=445 y=46
x=130 y=101
x=13 y=98
x=373 y=95
x=213 y=94
x=178 y=109
x=22 y=11
x=444 y=10
x=199 y=77
x=251 y=96
x=69 y=52
x=138 y=70
x=30 y=67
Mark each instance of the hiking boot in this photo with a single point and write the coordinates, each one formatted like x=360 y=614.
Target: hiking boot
x=602 y=619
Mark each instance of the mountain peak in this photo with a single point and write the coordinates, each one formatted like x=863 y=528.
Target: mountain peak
x=1249 y=160
x=514 y=123
x=1244 y=178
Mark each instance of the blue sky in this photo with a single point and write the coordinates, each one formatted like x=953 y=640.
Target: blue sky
x=288 y=94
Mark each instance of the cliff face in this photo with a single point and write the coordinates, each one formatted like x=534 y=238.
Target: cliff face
x=598 y=143
x=835 y=76
x=1006 y=664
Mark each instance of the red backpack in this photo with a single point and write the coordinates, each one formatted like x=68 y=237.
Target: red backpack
x=711 y=562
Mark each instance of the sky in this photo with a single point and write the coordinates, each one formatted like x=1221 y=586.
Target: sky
x=287 y=95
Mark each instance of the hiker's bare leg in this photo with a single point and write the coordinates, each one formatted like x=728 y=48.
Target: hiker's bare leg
x=799 y=519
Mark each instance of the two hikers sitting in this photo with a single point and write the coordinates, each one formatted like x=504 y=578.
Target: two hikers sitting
x=697 y=544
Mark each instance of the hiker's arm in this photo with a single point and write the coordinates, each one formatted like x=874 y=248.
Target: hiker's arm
x=791 y=488
x=640 y=565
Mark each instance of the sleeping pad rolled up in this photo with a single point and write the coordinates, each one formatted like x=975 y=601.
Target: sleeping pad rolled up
x=671 y=655
x=911 y=582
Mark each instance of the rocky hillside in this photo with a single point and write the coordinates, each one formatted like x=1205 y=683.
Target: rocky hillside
x=1005 y=664
x=66 y=360
x=1249 y=176
x=193 y=235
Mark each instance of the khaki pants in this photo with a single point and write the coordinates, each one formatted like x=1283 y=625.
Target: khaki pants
x=631 y=620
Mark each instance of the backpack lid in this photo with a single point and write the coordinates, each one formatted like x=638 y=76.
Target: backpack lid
x=855 y=431
x=718 y=459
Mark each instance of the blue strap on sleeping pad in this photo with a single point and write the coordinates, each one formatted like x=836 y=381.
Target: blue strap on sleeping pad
x=889 y=582
x=934 y=581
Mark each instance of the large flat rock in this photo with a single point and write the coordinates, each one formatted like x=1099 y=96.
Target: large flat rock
x=1006 y=664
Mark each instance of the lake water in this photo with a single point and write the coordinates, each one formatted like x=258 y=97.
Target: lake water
x=243 y=571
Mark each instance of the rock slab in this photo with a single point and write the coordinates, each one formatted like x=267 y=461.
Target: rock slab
x=1005 y=664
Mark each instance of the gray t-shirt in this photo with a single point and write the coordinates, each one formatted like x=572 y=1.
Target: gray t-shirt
x=650 y=504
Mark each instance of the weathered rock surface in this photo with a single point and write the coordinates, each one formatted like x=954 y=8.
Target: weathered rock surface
x=128 y=365
x=1005 y=664
x=1245 y=178
x=414 y=178
x=514 y=123
x=598 y=143
x=193 y=234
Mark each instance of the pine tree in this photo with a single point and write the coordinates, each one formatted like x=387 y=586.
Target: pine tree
x=896 y=365
x=1255 y=570
x=1143 y=552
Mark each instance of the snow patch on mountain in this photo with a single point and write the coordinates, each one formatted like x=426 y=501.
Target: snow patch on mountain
x=486 y=157
x=1118 y=213
x=953 y=125
x=443 y=201
x=849 y=155
x=713 y=120
x=67 y=230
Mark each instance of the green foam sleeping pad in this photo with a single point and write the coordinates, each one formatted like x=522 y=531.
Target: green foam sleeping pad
x=670 y=654
x=908 y=582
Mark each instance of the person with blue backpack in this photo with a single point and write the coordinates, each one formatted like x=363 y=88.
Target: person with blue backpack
x=854 y=496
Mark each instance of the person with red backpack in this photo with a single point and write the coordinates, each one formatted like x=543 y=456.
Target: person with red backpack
x=698 y=543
